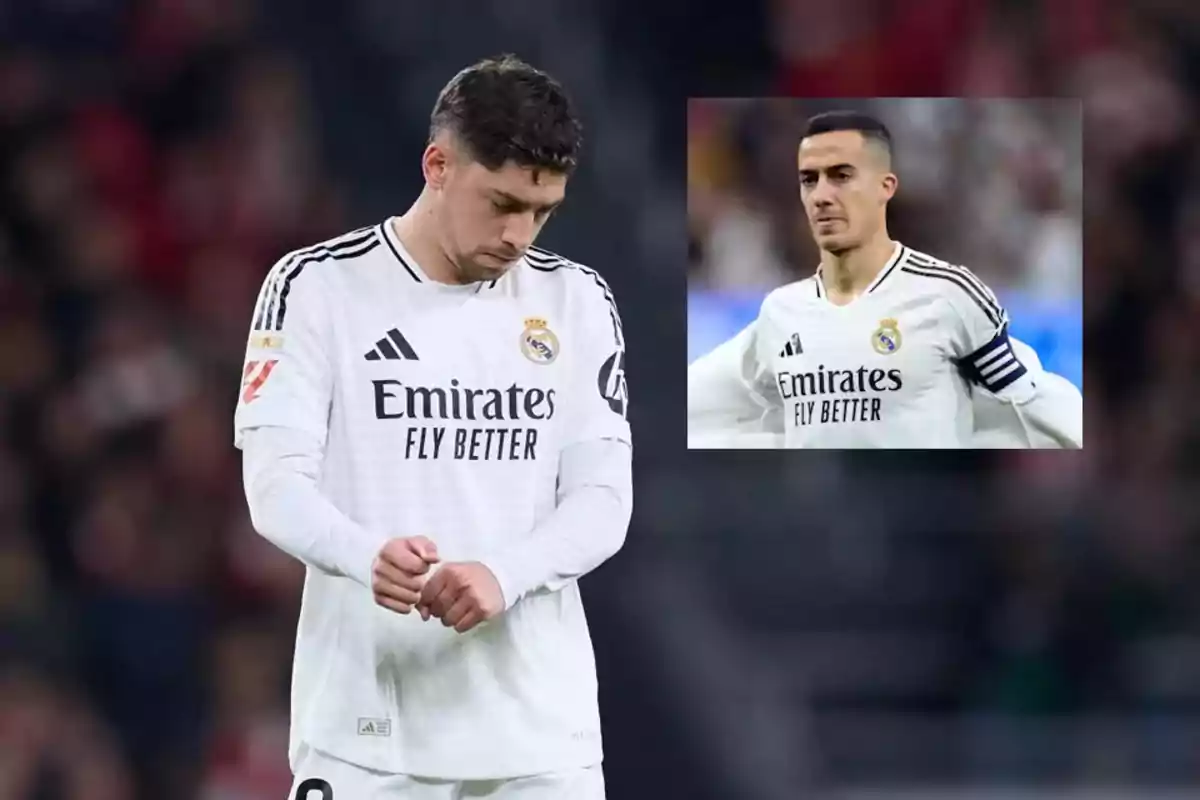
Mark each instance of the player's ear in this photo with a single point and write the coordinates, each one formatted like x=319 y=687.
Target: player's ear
x=890 y=184
x=434 y=162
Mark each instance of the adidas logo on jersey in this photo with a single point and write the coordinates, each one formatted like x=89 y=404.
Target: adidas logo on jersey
x=374 y=727
x=792 y=348
x=393 y=347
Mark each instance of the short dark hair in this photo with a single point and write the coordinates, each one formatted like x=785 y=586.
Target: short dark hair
x=870 y=127
x=502 y=109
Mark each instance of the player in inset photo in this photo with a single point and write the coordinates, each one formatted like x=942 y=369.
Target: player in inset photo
x=884 y=344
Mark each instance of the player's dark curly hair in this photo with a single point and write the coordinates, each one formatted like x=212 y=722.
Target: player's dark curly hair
x=872 y=129
x=502 y=109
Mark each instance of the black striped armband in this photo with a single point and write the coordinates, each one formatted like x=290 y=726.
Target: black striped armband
x=993 y=366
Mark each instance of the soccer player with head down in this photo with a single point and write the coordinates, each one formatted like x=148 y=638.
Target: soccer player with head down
x=433 y=419
x=884 y=346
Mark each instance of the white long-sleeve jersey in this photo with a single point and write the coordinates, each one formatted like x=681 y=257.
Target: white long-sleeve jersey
x=922 y=359
x=376 y=403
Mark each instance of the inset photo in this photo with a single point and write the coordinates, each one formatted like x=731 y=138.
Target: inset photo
x=900 y=273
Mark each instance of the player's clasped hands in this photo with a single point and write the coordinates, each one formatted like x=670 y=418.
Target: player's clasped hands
x=399 y=571
x=460 y=594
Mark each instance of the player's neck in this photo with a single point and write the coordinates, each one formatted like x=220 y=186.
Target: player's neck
x=846 y=275
x=415 y=229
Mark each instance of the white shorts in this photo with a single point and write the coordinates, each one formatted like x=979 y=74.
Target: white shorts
x=320 y=776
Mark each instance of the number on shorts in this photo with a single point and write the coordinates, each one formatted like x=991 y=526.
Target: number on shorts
x=314 y=785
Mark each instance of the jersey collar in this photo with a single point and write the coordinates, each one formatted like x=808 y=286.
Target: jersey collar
x=888 y=268
x=388 y=233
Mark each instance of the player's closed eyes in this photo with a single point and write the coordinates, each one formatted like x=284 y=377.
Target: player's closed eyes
x=504 y=209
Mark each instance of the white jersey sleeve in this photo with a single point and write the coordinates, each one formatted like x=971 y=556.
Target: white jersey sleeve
x=980 y=340
x=599 y=391
x=287 y=376
x=588 y=526
x=1051 y=418
x=280 y=467
x=595 y=484
x=1045 y=412
x=281 y=424
x=731 y=401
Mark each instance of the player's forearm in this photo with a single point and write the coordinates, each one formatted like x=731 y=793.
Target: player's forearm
x=587 y=527
x=280 y=466
x=1053 y=414
x=724 y=412
x=1044 y=412
x=718 y=392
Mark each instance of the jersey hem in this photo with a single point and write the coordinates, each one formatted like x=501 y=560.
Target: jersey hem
x=438 y=769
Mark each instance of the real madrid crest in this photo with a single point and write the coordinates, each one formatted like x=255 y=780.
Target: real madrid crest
x=538 y=342
x=886 y=339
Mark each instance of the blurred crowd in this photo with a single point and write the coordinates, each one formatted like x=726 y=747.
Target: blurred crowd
x=156 y=157
x=153 y=164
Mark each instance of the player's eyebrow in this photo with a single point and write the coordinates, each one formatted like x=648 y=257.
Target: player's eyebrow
x=517 y=202
x=830 y=168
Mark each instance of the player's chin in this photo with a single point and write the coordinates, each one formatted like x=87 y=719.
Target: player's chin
x=491 y=265
x=834 y=242
x=825 y=240
x=478 y=271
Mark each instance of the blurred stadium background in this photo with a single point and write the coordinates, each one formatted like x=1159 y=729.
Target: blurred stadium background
x=994 y=184
x=884 y=625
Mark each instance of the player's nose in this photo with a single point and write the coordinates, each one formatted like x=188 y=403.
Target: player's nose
x=822 y=194
x=519 y=231
x=821 y=206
